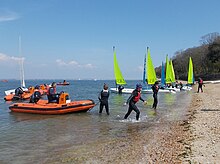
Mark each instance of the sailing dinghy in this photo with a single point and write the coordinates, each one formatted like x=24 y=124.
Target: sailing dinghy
x=151 y=75
x=119 y=79
x=21 y=63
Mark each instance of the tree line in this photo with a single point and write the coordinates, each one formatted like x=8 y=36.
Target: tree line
x=206 y=59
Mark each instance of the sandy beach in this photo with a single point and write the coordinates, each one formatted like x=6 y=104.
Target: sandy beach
x=193 y=139
x=204 y=127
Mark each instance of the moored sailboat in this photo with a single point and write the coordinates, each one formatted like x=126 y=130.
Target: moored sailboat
x=151 y=75
x=119 y=79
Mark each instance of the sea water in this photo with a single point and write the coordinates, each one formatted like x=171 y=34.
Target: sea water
x=33 y=138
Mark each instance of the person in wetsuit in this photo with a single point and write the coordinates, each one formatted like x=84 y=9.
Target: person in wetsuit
x=200 y=82
x=51 y=93
x=132 y=100
x=103 y=98
x=155 y=89
x=18 y=93
x=120 y=88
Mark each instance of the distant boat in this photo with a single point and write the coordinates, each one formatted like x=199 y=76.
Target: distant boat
x=5 y=81
x=119 y=79
x=63 y=83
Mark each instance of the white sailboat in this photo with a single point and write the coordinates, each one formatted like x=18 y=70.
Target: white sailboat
x=21 y=63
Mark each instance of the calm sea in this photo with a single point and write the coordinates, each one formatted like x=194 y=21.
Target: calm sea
x=32 y=138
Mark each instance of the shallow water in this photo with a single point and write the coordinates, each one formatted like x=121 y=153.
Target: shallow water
x=30 y=138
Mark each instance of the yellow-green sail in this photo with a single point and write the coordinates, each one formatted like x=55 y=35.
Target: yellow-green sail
x=168 y=71
x=118 y=75
x=172 y=73
x=151 y=74
x=190 y=72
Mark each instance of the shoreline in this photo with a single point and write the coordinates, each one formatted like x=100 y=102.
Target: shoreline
x=193 y=139
x=202 y=144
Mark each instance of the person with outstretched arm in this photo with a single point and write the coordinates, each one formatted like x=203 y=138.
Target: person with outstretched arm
x=132 y=100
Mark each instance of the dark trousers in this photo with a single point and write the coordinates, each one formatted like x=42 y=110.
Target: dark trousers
x=155 y=101
x=200 y=87
x=104 y=105
x=131 y=107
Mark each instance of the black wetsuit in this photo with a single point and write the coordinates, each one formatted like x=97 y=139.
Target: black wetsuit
x=18 y=94
x=200 y=85
x=120 y=88
x=155 y=91
x=52 y=95
x=132 y=100
x=103 y=98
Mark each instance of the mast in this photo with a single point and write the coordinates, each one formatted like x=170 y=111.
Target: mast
x=21 y=65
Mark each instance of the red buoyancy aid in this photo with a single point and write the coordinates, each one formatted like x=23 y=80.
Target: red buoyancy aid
x=200 y=81
x=136 y=98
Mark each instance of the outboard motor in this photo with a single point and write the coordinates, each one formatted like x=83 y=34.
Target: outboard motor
x=35 y=97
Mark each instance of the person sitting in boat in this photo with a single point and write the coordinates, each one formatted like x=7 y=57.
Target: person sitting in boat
x=18 y=93
x=51 y=94
x=120 y=88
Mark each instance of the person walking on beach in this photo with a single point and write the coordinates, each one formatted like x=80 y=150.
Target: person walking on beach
x=200 y=84
x=103 y=98
x=120 y=88
x=132 y=100
x=155 y=89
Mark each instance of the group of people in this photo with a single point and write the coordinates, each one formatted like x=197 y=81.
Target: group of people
x=132 y=100
x=52 y=95
x=135 y=97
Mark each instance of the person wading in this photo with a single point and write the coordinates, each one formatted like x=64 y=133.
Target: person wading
x=132 y=100
x=103 y=98
x=155 y=89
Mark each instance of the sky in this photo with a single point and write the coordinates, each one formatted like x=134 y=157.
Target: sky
x=73 y=39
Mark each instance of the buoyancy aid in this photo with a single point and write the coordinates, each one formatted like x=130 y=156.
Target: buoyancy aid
x=200 y=81
x=136 y=98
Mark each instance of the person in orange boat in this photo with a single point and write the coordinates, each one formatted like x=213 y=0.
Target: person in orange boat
x=51 y=94
x=18 y=93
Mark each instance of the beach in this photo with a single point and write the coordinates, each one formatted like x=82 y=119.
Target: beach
x=194 y=139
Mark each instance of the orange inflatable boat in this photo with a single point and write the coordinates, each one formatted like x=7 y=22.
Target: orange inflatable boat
x=62 y=107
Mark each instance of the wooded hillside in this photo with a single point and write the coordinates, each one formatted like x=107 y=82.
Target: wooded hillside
x=206 y=59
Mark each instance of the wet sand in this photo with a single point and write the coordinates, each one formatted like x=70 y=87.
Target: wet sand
x=194 y=139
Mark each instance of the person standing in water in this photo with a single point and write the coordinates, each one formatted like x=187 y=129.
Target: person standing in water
x=132 y=100
x=120 y=88
x=155 y=89
x=103 y=98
